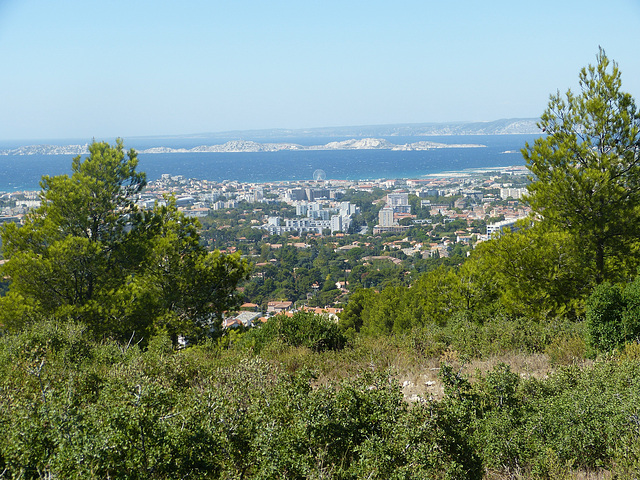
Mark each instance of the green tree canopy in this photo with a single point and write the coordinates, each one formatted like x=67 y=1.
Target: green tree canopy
x=90 y=255
x=534 y=270
x=587 y=168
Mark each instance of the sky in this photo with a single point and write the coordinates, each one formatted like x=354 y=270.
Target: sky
x=121 y=68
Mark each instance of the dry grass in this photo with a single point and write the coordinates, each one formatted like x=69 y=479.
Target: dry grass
x=565 y=475
x=418 y=375
x=424 y=382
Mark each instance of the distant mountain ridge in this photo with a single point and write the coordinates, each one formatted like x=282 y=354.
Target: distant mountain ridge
x=510 y=126
x=358 y=138
x=517 y=126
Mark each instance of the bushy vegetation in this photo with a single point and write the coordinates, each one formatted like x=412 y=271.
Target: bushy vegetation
x=612 y=315
x=302 y=329
x=76 y=408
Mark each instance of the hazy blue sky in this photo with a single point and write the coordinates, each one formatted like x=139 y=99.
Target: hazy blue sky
x=107 y=68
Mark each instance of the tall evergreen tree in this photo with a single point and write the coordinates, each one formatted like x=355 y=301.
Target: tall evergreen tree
x=586 y=169
x=90 y=255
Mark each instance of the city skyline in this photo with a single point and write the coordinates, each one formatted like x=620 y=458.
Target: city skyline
x=108 y=69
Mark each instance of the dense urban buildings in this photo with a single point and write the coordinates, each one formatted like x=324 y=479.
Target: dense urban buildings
x=319 y=208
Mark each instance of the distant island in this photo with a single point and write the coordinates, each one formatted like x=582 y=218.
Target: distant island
x=371 y=137
x=352 y=144
x=235 y=146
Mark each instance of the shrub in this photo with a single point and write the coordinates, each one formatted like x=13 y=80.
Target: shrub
x=604 y=315
x=631 y=314
x=303 y=329
x=566 y=350
x=613 y=315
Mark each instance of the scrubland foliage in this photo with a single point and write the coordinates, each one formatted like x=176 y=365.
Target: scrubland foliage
x=613 y=315
x=76 y=408
x=302 y=329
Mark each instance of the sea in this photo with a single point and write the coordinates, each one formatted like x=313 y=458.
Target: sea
x=23 y=172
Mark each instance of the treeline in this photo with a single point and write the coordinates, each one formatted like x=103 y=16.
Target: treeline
x=530 y=272
x=310 y=274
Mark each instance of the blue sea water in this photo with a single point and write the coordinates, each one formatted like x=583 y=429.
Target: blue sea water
x=24 y=172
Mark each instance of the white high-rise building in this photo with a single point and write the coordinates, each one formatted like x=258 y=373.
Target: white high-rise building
x=302 y=209
x=336 y=223
x=385 y=217
x=397 y=199
x=348 y=208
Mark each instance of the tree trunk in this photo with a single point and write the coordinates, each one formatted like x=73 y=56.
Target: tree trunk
x=599 y=262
